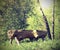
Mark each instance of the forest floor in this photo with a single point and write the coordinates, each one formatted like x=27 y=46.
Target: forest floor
x=27 y=45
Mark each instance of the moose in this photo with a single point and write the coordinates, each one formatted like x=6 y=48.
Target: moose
x=19 y=35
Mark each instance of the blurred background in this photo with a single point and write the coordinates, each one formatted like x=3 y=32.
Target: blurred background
x=26 y=15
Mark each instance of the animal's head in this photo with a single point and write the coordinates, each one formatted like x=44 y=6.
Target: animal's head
x=10 y=33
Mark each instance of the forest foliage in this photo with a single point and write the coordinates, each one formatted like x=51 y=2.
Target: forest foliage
x=26 y=14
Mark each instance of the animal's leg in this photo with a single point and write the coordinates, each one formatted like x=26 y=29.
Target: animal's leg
x=43 y=38
x=31 y=39
x=17 y=40
x=36 y=39
x=11 y=41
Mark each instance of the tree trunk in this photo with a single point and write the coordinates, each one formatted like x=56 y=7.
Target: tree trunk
x=53 y=19
x=46 y=22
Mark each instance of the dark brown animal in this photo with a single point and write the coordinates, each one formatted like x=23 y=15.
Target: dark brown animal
x=41 y=34
x=22 y=34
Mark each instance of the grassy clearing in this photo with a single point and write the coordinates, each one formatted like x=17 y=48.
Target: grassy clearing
x=36 y=45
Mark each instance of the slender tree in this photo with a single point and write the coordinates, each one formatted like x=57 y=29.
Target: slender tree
x=46 y=22
x=53 y=15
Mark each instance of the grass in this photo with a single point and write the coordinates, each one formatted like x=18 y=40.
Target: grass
x=35 y=45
